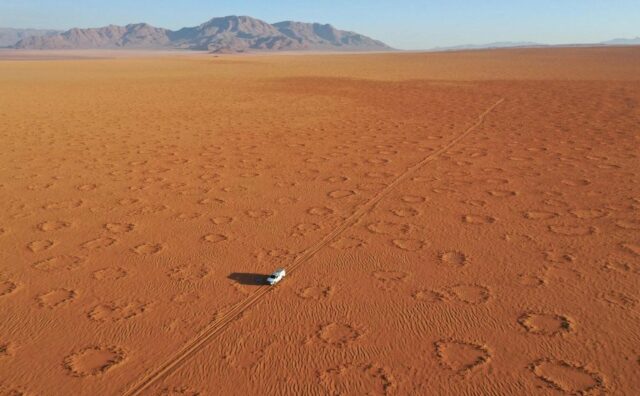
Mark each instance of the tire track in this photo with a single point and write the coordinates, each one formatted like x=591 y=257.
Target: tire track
x=220 y=324
x=371 y=204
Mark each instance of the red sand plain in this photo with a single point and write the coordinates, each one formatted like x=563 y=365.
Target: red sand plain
x=453 y=223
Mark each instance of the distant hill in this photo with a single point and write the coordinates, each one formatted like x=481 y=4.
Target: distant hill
x=130 y=36
x=499 y=44
x=228 y=34
x=623 y=41
x=317 y=36
x=529 y=44
x=9 y=37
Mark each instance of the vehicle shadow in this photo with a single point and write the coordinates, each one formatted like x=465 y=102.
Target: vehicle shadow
x=249 y=279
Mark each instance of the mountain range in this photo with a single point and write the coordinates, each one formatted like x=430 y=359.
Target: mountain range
x=229 y=34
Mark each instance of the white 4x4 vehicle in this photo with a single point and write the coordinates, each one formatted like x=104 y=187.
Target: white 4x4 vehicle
x=276 y=277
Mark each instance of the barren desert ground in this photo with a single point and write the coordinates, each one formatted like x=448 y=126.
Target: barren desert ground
x=452 y=224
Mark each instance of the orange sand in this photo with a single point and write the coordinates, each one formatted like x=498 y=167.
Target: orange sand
x=454 y=223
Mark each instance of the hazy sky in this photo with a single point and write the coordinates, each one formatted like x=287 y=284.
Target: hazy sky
x=406 y=24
